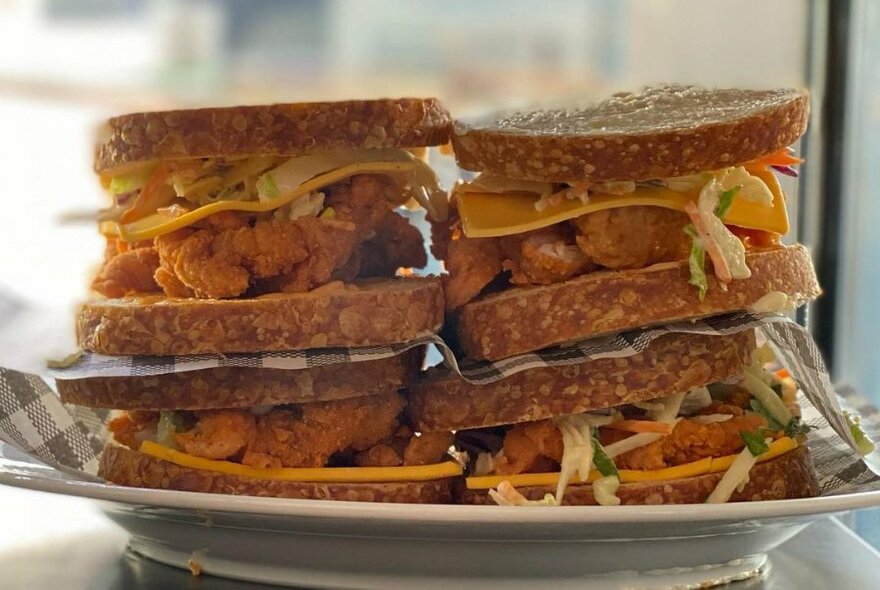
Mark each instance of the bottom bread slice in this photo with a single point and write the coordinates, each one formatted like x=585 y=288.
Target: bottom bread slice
x=788 y=476
x=126 y=467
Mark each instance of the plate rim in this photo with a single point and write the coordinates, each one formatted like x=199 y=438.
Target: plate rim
x=441 y=513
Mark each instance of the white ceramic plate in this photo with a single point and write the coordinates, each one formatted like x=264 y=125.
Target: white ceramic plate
x=348 y=545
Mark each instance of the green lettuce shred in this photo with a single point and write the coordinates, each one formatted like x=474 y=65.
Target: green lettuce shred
x=755 y=442
x=697 y=261
x=604 y=464
x=725 y=201
x=866 y=446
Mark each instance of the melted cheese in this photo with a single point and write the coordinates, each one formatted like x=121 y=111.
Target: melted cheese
x=701 y=467
x=486 y=215
x=311 y=173
x=317 y=474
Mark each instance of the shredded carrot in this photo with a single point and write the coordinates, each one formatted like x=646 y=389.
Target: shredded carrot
x=150 y=197
x=783 y=373
x=722 y=270
x=779 y=158
x=641 y=426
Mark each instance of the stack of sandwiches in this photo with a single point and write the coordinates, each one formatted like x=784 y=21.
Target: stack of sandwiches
x=254 y=229
x=641 y=210
x=275 y=228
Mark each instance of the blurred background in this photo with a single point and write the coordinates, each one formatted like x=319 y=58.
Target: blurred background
x=67 y=64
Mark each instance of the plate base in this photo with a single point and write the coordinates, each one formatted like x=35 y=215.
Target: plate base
x=301 y=575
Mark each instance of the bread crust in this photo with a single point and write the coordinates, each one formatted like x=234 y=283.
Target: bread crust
x=658 y=133
x=278 y=129
x=367 y=313
x=788 y=476
x=126 y=467
x=523 y=319
x=242 y=387
x=672 y=363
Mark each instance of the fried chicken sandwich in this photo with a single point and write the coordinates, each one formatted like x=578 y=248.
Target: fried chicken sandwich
x=692 y=419
x=268 y=228
x=641 y=209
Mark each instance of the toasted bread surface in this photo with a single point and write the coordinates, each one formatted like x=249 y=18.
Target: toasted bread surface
x=658 y=133
x=788 y=476
x=352 y=314
x=126 y=467
x=673 y=363
x=278 y=129
x=242 y=387
x=524 y=319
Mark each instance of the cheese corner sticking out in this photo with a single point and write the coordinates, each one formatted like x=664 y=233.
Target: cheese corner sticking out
x=485 y=214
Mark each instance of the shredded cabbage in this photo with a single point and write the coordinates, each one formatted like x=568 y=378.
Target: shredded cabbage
x=759 y=389
x=671 y=406
x=170 y=423
x=866 y=446
x=507 y=495
x=748 y=187
x=697 y=262
x=605 y=490
x=126 y=183
x=696 y=400
x=730 y=247
x=733 y=477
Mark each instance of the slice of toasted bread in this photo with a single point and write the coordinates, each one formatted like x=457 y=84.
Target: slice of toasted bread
x=672 y=363
x=524 y=319
x=241 y=387
x=278 y=129
x=367 y=313
x=788 y=476
x=659 y=133
x=126 y=467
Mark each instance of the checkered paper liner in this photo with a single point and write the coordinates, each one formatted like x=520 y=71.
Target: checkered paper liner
x=33 y=419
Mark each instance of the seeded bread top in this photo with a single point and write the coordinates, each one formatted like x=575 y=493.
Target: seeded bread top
x=660 y=132
x=278 y=129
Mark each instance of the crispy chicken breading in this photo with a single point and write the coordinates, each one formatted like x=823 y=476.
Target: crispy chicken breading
x=544 y=256
x=633 y=237
x=308 y=435
x=128 y=272
x=530 y=447
x=230 y=254
x=397 y=243
x=427 y=448
x=472 y=264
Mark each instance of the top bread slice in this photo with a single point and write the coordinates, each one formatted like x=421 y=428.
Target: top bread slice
x=366 y=313
x=660 y=132
x=524 y=319
x=278 y=129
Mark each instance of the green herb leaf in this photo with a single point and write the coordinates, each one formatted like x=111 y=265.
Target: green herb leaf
x=796 y=428
x=725 y=201
x=759 y=408
x=755 y=442
x=604 y=464
x=697 y=261
x=866 y=446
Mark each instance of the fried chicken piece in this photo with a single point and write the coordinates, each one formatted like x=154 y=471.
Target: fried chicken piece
x=428 y=448
x=132 y=427
x=531 y=447
x=544 y=256
x=380 y=455
x=691 y=441
x=633 y=237
x=472 y=264
x=127 y=273
x=309 y=434
x=219 y=261
x=397 y=244
x=364 y=201
x=219 y=434
x=330 y=245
